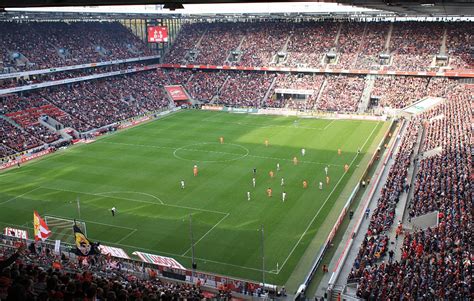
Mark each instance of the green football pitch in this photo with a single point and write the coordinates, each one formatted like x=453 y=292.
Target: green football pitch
x=139 y=170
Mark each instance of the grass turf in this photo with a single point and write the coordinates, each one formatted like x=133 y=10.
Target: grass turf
x=138 y=171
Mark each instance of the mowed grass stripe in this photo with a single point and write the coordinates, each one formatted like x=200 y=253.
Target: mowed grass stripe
x=115 y=164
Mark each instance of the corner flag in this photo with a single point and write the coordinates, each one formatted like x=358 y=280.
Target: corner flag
x=41 y=228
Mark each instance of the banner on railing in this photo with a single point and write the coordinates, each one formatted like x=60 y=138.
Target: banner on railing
x=24 y=158
x=176 y=92
x=114 y=252
x=159 y=260
x=18 y=233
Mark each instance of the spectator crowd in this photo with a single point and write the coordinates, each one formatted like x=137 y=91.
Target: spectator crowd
x=435 y=263
x=40 y=45
x=410 y=46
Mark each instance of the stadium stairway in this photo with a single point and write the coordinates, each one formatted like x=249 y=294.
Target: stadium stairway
x=227 y=60
x=365 y=98
x=442 y=48
x=216 y=97
x=338 y=34
x=389 y=37
x=404 y=198
x=321 y=90
x=341 y=280
x=361 y=45
x=269 y=92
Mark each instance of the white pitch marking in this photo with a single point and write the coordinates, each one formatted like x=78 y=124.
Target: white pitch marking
x=320 y=208
x=19 y=196
x=222 y=219
x=127 y=236
x=132 y=192
x=92 y=222
x=138 y=201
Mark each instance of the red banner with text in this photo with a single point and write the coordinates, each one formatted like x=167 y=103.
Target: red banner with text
x=177 y=93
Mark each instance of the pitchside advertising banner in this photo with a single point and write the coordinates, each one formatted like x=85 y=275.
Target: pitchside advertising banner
x=176 y=93
x=157 y=34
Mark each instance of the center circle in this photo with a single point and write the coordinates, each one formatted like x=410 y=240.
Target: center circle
x=211 y=152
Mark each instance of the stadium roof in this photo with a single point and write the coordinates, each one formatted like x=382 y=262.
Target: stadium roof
x=402 y=8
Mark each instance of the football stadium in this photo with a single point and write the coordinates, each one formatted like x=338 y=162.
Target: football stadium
x=236 y=150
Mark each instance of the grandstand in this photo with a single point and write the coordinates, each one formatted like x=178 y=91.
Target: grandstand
x=372 y=108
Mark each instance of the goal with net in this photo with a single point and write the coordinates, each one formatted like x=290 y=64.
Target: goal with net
x=61 y=228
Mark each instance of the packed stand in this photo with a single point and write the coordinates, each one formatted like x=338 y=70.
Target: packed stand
x=186 y=41
x=374 y=45
x=459 y=40
x=311 y=83
x=309 y=43
x=38 y=45
x=205 y=85
x=436 y=263
x=414 y=45
x=55 y=76
x=399 y=91
x=16 y=139
x=5 y=151
x=376 y=240
x=341 y=94
x=245 y=89
x=175 y=76
x=42 y=275
x=447 y=126
x=220 y=39
x=106 y=101
x=263 y=40
x=350 y=43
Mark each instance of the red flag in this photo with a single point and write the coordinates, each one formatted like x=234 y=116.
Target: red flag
x=41 y=229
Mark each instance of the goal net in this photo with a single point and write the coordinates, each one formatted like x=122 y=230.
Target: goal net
x=61 y=228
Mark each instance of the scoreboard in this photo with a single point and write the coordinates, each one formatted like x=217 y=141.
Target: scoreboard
x=157 y=34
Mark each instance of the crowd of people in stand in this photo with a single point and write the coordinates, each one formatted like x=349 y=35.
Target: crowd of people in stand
x=373 y=45
x=14 y=139
x=376 y=240
x=39 y=45
x=245 y=89
x=45 y=77
x=357 y=45
x=103 y=102
x=414 y=44
x=401 y=91
x=309 y=43
x=39 y=274
x=204 y=85
x=341 y=94
x=459 y=41
x=436 y=262
x=81 y=106
x=295 y=91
